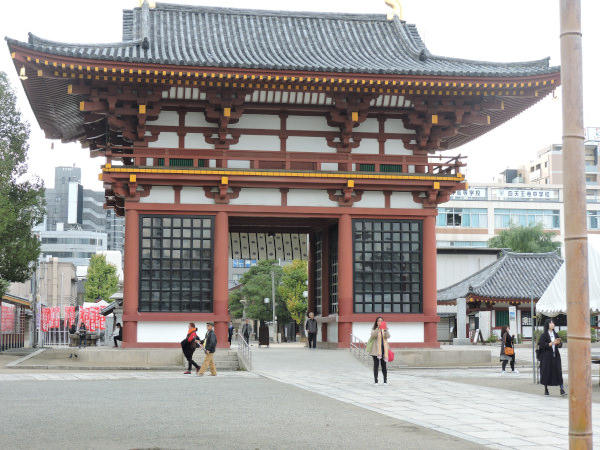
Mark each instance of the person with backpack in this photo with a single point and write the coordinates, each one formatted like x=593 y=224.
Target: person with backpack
x=210 y=346
x=188 y=346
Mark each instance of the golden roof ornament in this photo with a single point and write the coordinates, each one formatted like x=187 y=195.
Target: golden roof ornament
x=396 y=9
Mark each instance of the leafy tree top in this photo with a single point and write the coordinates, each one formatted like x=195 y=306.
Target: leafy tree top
x=521 y=239
x=102 y=280
x=22 y=202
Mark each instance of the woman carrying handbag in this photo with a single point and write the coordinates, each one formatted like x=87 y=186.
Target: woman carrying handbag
x=507 y=351
x=379 y=350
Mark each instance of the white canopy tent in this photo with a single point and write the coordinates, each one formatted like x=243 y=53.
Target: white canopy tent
x=554 y=300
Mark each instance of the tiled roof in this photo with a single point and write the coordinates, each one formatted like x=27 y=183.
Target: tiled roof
x=272 y=40
x=515 y=276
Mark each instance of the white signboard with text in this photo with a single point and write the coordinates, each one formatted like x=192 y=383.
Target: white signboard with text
x=525 y=194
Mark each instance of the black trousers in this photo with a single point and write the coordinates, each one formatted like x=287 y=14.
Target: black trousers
x=191 y=362
x=312 y=340
x=512 y=363
x=115 y=339
x=376 y=368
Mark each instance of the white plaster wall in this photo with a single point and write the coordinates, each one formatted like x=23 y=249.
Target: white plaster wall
x=197 y=119
x=194 y=196
x=332 y=332
x=396 y=126
x=404 y=200
x=485 y=323
x=195 y=140
x=262 y=143
x=238 y=164
x=396 y=147
x=308 y=144
x=160 y=194
x=367 y=147
x=452 y=268
x=309 y=197
x=165 y=331
x=371 y=199
x=308 y=123
x=168 y=140
x=269 y=197
x=369 y=126
x=258 y=121
x=166 y=118
x=399 y=331
x=331 y=167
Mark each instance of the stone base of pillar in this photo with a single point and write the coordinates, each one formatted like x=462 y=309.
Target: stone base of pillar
x=461 y=341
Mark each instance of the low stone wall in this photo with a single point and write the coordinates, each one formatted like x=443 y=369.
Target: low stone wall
x=442 y=358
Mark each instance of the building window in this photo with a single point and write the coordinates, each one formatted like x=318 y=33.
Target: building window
x=593 y=220
x=176 y=264
x=502 y=318
x=549 y=218
x=333 y=271
x=387 y=266
x=462 y=217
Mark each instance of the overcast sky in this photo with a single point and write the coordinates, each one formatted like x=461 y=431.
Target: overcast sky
x=489 y=30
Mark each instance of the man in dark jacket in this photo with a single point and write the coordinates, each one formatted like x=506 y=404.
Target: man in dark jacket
x=311 y=330
x=210 y=345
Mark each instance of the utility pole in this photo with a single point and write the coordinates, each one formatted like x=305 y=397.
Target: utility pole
x=273 y=297
x=576 y=248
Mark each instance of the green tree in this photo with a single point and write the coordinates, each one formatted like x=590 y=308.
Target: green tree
x=256 y=286
x=520 y=239
x=22 y=202
x=102 y=280
x=292 y=287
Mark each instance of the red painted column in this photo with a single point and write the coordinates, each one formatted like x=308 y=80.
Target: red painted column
x=430 y=280
x=345 y=285
x=324 y=280
x=131 y=277
x=220 y=278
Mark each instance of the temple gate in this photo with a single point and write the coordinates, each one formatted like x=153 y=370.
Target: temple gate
x=215 y=120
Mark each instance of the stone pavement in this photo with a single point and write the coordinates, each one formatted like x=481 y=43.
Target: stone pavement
x=490 y=416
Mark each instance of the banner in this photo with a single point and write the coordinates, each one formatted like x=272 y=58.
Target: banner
x=69 y=316
x=45 y=319
x=8 y=318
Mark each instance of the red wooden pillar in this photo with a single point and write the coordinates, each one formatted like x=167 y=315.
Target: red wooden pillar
x=131 y=275
x=324 y=280
x=345 y=285
x=220 y=279
x=430 y=282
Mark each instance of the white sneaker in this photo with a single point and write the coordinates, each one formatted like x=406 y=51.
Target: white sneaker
x=385 y=383
x=504 y=372
x=515 y=371
x=376 y=384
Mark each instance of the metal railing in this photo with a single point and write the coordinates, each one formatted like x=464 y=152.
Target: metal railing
x=358 y=348
x=244 y=353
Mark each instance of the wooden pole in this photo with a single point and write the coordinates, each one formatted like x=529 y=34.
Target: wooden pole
x=578 y=311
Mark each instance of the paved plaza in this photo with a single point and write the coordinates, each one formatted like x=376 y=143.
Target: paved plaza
x=300 y=398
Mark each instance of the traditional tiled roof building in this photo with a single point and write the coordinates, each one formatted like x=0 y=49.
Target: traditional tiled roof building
x=217 y=120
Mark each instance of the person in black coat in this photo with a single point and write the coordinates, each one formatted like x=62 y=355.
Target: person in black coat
x=188 y=346
x=551 y=370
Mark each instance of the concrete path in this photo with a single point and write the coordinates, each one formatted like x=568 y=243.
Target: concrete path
x=491 y=416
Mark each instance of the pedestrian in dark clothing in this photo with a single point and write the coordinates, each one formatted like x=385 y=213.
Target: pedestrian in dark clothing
x=263 y=334
x=82 y=334
x=118 y=334
x=230 y=333
x=551 y=370
x=311 y=330
x=210 y=346
x=247 y=331
x=507 y=341
x=379 y=348
x=188 y=345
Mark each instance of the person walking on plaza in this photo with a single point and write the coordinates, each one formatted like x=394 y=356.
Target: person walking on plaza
x=311 y=330
x=230 y=333
x=263 y=334
x=82 y=334
x=379 y=348
x=551 y=370
x=247 y=331
x=210 y=345
x=507 y=350
x=188 y=346
x=118 y=334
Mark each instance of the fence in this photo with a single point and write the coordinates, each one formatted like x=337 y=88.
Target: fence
x=244 y=353
x=12 y=326
x=358 y=348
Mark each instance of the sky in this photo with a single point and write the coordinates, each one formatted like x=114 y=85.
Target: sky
x=488 y=30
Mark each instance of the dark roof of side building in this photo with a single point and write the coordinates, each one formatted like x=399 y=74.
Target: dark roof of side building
x=201 y=36
x=515 y=276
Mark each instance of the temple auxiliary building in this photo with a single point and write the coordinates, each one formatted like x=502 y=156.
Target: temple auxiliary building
x=215 y=121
